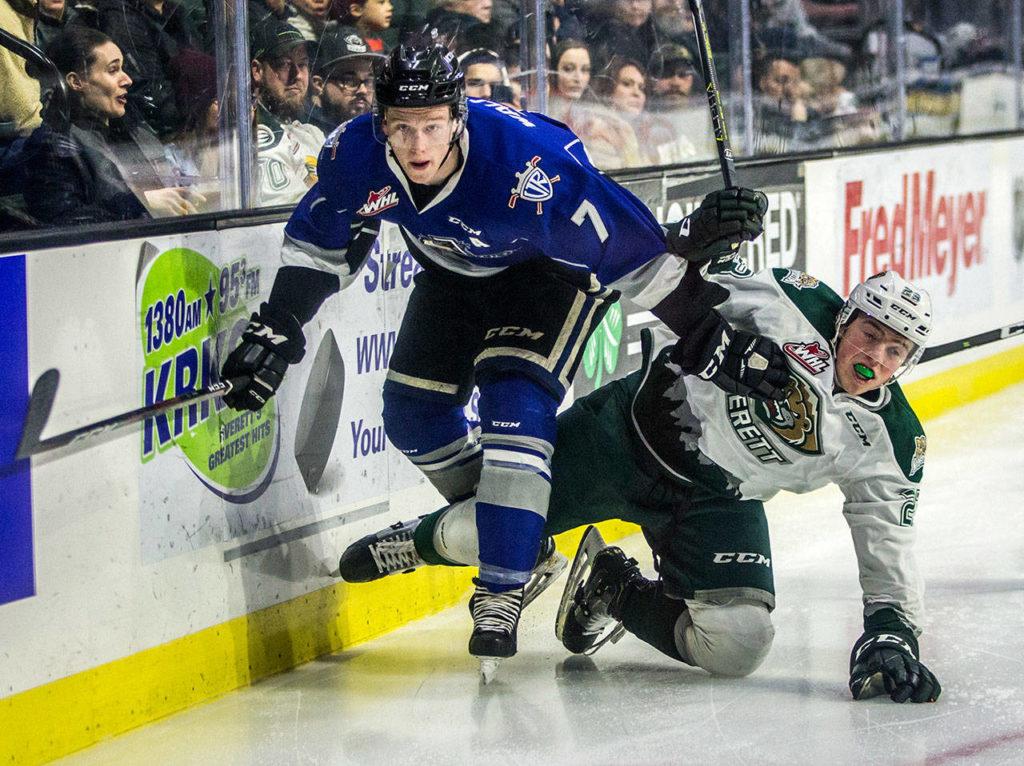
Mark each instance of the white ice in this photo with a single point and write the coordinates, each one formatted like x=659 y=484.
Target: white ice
x=414 y=696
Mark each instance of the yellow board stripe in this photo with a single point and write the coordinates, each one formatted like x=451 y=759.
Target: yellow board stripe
x=72 y=713
x=935 y=395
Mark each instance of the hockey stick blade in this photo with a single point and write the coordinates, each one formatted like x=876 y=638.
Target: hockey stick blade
x=45 y=391
x=973 y=341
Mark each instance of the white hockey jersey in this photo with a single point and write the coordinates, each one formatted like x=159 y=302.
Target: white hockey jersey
x=872 y=447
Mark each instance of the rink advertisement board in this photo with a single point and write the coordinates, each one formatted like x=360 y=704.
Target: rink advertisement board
x=17 y=574
x=944 y=217
x=318 y=445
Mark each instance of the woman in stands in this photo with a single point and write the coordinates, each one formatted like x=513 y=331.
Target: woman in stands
x=98 y=162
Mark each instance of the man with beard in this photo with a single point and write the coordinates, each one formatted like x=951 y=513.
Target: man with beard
x=286 y=145
x=671 y=70
x=342 y=78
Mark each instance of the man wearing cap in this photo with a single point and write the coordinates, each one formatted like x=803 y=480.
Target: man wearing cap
x=671 y=70
x=286 y=145
x=342 y=78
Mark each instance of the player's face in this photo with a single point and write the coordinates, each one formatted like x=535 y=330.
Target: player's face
x=348 y=90
x=420 y=139
x=868 y=355
x=573 y=72
x=628 y=95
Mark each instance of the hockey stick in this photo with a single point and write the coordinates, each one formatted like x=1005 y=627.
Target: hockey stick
x=707 y=68
x=972 y=341
x=44 y=392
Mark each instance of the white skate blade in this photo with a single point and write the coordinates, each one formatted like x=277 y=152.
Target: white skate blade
x=488 y=668
x=542 y=577
x=590 y=544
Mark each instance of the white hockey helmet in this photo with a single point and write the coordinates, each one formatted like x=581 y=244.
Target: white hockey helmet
x=896 y=303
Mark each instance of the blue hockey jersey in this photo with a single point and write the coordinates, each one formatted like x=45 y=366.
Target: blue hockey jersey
x=526 y=189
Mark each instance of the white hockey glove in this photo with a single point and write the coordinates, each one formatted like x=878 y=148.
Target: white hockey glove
x=887 y=663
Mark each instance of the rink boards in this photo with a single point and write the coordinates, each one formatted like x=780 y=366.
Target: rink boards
x=180 y=560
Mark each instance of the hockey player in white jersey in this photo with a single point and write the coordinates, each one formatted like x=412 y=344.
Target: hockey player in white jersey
x=523 y=244
x=693 y=465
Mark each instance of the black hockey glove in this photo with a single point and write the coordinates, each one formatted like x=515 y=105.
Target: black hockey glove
x=887 y=662
x=737 y=362
x=271 y=342
x=724 y=219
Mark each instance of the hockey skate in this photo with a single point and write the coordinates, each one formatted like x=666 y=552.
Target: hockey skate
x=383 y=553
x=550 y=564
x=590 y=613
x=495 y=622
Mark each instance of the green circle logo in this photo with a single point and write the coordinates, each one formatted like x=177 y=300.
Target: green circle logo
x=190 y=313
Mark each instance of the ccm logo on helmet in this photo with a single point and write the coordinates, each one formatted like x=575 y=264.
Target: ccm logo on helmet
x=416 y=87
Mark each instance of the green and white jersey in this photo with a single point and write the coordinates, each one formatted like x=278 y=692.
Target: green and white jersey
x=872 y=446
x=286 y=154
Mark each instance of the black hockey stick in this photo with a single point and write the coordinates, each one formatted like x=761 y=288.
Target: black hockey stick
x=707 y=68
x=944 y=349
x=45 y=391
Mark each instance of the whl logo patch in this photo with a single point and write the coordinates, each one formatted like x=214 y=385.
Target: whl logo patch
x=379 y=201
x=812 y=356
x=534 y=186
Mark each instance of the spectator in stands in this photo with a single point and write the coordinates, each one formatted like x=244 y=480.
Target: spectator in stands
x=286 y=147
x=150 y=33
x=674 y=24
x=620 y=28
x=261 y=11
x=465 y=24
x=672 y=74
x=605 y=130
x=19 y=93
x=51 y=17
x=835 y=117
x=486 y=77
x=781 y=110
x=310 y=17
x=371 y=18
x=569 y=80
x=342 y=78
x=196 y=144
x=105 y=165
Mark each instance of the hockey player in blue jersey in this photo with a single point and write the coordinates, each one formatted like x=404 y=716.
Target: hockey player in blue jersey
x=524 y=245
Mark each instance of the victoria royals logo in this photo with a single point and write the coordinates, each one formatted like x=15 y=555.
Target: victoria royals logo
x=812 y=356
x=379 y=201
x=534 y=186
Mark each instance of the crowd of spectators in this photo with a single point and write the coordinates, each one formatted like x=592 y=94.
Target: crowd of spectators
x=623 y=74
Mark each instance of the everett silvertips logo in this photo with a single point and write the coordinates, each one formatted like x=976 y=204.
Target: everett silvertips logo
x=534 y=186
x=379 y=201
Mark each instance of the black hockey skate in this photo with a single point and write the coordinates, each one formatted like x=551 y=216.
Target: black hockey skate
x=495 y=622
x=599 y=583
x=383 y=553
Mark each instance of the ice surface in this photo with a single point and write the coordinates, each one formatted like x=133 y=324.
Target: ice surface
x=415 y=695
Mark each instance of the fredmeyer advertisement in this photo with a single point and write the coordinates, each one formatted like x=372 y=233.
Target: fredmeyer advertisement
x=210 y=474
